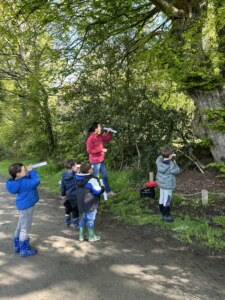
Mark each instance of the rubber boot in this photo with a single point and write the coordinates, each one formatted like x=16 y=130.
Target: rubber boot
x=91 y=235
x=16 y=244
x=161 y=208
x=26 y=250
x=76 y=223
x=166 y=214
x=67 y=220
x=82 y=234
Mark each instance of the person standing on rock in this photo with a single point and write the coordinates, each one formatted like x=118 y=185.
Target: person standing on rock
x=96 y=151
x=23 y=182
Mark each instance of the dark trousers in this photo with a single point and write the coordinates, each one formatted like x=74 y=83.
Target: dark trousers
x=71 y=207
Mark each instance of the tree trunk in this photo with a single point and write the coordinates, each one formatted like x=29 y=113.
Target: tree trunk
x=211 y=101
x=48 y=122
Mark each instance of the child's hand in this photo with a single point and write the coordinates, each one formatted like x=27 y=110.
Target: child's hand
x=62 y=197
x=74 y=168
x=104 y=150
x=29 y=168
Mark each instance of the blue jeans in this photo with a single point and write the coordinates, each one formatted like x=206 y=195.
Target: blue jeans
x=24 y=224
x=101 y=168
x=89 y=218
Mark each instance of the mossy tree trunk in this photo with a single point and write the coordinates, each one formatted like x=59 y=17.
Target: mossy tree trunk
x=206 y=102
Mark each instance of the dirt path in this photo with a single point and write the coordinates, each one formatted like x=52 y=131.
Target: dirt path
x=125 y=265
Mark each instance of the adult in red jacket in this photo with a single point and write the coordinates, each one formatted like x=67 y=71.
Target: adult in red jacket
x=96 y=151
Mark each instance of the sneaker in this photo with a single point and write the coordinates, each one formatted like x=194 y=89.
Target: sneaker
x=168 y=219
x=111 y=194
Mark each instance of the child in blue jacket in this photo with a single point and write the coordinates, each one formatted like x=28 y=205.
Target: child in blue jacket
x=88 y=196
x=24 y=183
x=167 y=169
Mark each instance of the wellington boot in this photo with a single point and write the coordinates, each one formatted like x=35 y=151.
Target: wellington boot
x=76 y=223
x=92 y=237
x=82 y=234
x=67 y=220
x=16 y=244
x=26 y=250
x=161 y=209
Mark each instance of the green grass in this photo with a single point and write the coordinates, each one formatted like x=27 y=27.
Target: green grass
x=128 y=207
x=219 y=220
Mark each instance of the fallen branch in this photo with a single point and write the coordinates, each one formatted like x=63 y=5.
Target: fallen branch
x=194 y=161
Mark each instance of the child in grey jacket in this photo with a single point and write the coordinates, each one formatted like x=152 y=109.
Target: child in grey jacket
x=166 y=179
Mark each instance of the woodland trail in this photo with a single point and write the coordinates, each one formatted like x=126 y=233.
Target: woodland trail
x=126 y=264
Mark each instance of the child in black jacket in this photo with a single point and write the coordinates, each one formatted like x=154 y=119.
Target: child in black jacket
x=88 y=196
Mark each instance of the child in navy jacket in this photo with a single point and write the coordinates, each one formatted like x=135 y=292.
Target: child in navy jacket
x=24 y=183
x=68 y=190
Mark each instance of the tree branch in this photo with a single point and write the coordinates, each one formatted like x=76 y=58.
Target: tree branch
x=168 y=9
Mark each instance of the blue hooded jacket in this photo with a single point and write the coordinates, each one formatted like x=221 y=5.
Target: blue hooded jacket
x=166 y=172
x=26 y=189
x=88 y=192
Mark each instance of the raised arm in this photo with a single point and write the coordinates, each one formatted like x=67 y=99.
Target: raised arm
x=107 y=136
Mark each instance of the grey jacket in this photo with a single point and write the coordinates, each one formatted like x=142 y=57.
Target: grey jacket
x=165 y=176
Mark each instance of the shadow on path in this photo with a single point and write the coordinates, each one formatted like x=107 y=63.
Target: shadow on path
x=121 y=266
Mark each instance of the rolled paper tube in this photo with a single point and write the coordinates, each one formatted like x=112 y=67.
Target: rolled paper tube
x=44 y=163
x=110 y=129
x=105 y=196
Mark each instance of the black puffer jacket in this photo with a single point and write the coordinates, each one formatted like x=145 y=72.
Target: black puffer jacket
x=88 y=192
x=68 y=184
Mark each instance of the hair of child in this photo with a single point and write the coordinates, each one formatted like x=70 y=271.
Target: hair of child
x=85 y=168
x=166 y=152
x=14 y=169
x=69 y=163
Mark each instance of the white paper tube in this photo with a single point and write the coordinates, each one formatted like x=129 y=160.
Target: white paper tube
x=110 y=129
x=44 y=163
x=105 y=196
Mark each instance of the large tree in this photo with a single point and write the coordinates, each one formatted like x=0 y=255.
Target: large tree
x=200 y=59
x=185 y=36
x=30 y=70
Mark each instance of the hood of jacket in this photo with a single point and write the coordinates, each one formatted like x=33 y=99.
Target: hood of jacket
x=82 y=179
x=162 y=167
x=13 y=185
x=68 y=175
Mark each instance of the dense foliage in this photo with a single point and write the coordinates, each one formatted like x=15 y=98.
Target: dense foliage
x=131 y=65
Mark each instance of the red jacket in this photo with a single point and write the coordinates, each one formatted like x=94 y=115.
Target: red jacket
x=94 y=145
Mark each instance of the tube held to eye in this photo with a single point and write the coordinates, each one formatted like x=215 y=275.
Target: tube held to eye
x=44 y=163
x=110 y=129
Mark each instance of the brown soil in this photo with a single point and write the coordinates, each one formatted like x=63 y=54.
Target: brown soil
x=192 y=181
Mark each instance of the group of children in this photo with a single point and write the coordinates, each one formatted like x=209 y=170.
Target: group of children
x=81 y=192
x=82 y=195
